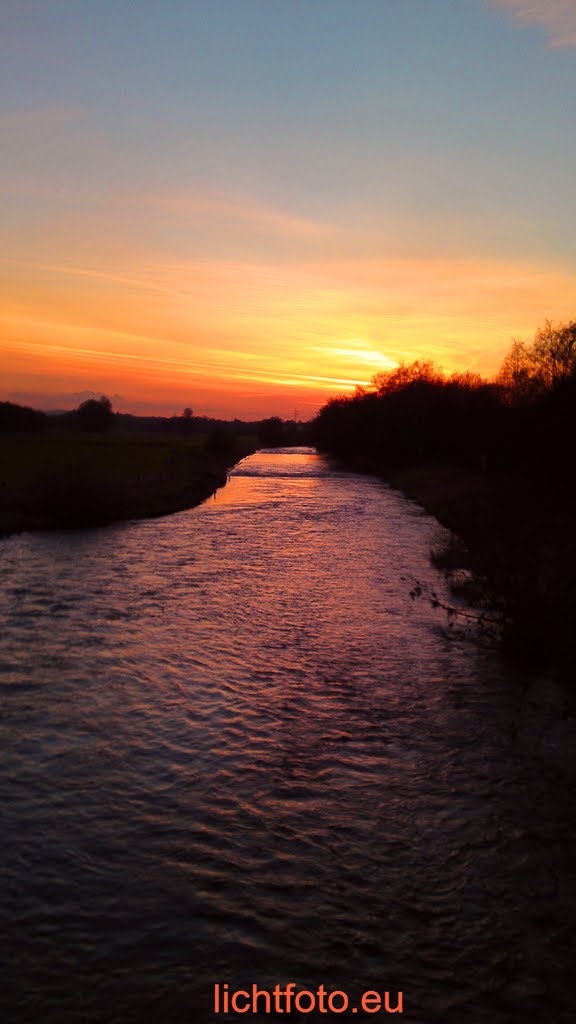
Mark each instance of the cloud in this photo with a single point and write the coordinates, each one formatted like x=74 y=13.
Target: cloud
x=558 y=17
x=32 y=119
x=242 y=211
x=69 y=270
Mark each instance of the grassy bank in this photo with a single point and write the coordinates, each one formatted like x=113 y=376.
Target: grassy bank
x=63 y=479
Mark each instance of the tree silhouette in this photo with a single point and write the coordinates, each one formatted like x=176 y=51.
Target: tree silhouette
x=531 y=370
x=187 y=420
x=271 y=432
x=94 y=415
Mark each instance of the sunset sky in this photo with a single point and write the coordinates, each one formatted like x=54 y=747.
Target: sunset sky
x=246 y=206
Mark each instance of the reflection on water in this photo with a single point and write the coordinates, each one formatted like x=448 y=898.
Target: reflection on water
x=233 y=750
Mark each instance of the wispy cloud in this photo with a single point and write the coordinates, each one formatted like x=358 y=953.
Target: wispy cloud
x=239 y=210
x=558 y=17
x=42 y=117
x=69 y=270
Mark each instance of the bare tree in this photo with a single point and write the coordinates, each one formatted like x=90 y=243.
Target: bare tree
x=530 y=370
x=554 y=353
x=516 y=376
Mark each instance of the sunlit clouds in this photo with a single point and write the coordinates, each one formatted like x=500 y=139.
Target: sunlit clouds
x=557 y=17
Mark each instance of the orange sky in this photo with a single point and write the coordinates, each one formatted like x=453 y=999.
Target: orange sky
x=250 y=339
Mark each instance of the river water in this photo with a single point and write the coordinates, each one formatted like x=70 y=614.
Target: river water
x=234 y=750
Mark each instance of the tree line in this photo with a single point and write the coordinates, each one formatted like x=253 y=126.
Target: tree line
x=97 y=416
x=522 y=418
x=515 y=501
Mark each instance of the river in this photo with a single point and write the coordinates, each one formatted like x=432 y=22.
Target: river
x=235 y=750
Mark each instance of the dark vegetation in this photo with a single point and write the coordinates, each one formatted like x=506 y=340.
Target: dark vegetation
x=494 y=461
x=20 y=417
x=93 y=466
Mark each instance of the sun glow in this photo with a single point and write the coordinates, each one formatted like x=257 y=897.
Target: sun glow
x=254 y=338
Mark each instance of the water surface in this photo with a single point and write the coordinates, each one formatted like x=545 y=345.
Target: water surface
x=234 y=749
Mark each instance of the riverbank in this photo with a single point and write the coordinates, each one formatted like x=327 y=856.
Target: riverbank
x=64 y=480
x=518 y=541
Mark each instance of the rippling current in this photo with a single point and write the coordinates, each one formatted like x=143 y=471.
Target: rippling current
x=233 y=749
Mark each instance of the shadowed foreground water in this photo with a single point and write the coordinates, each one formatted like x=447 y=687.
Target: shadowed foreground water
x=234 y=750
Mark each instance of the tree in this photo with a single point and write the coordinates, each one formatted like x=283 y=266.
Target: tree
x=402 y=376
x=530 y=370
x=271 y=432
x=516 y=376
x=94 y=415
x=186 y=420
x=554 y=353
